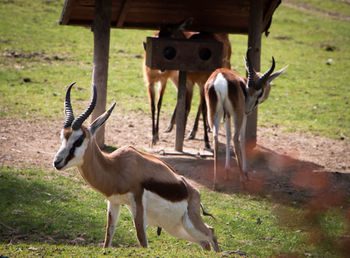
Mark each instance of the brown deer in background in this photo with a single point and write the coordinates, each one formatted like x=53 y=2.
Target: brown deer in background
x=200 y=78
x=152 y=76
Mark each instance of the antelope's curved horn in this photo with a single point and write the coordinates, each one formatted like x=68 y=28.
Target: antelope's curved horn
x=79 y=120
x=68 y=111
x=263 y=79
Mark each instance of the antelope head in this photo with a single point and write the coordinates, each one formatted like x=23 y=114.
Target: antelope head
x=75 y=137
x=174 y=30
x=258 y=84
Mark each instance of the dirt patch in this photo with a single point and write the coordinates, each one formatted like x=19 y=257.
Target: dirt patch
x=283 y=164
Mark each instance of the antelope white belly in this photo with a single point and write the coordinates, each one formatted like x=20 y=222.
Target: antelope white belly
x=120 y=199
x=162 y=213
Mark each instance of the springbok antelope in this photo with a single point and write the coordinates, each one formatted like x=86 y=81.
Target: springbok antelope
x=229 y=94
x=200 y=78
x=152 y=76
x=150 y=188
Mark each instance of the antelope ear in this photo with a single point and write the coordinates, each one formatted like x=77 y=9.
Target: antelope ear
x=184 y=24
x=246 y=65
x=276 y=74
x=144 y=45
x=100 y=120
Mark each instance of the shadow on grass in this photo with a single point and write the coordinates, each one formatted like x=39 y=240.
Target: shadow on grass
x=284 y=180
x=270 y=174
x=37 y=210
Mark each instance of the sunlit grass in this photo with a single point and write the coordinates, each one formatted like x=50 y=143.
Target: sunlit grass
x=311 y=96
x=50 y=213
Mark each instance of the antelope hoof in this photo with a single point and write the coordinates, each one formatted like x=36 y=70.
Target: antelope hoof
x=207 y=146
x=169 y=129
x=155 y=139
x=191 y=135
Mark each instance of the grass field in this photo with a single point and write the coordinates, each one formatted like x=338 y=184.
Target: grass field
x=50 y=214
x=311 y=96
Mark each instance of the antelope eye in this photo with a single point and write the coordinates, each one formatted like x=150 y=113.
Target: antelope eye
x=80 y=140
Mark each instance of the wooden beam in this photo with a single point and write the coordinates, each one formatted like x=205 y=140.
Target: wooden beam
x=101 y=30
x=122 y=14
x=180 y=112
x=66 y=12
x=254 y=41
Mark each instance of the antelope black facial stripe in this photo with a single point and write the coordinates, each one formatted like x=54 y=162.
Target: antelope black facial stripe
x=76 y=144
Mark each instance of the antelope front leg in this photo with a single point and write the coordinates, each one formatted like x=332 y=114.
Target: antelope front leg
x=193 y=132
x=205 y=125
x=239 y=127
x=151 y=95
x=159 y=106
x=243 y=142
x=112 y=218
x=172 y=122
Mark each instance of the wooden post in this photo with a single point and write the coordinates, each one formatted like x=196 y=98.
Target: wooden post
x=254 y=41
x=101 y=29
x=180 y=112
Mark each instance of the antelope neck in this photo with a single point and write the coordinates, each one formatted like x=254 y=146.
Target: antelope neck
x=94 y=169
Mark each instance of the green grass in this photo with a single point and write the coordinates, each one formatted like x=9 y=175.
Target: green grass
x=339 y=6
x=47 y=213
x=50 y=213
x=311 y=96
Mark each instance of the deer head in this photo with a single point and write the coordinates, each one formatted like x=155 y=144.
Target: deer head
x=258 y=84
x=75 y=137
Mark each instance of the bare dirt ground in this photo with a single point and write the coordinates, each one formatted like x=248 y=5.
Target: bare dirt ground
x=283 y=164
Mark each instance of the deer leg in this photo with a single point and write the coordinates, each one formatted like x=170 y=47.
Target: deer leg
x=189 y=95
x=172 y=121
x=242 y=139
x=139 y=215
x=161 y=91
x=151 y=93
x=175 y=79
x=205 y=124
x=216 y=125
x=228 y=140
x=112 y=218
x=193 y=132
x=238 y=150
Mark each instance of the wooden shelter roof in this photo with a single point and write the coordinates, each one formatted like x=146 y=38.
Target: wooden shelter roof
x=231 y=16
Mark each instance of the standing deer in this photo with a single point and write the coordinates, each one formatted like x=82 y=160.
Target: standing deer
x=200 y=78
x=153 y=192
x=152 y=76
x=229 y=94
